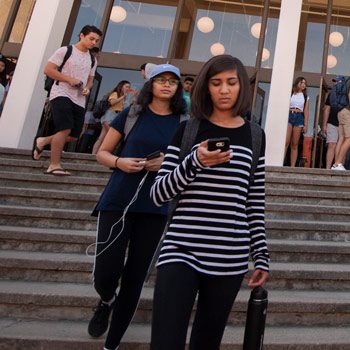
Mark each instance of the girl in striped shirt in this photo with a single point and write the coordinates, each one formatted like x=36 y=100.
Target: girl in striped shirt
x=219 y=218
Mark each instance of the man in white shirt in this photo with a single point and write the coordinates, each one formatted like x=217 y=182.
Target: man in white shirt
x=67 y=96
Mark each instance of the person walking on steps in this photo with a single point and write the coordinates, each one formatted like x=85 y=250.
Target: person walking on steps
x=67 y=96
x=127 y=217
x=219 y=217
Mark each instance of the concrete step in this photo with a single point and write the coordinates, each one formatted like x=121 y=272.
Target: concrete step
x=307 y=212
x=72 y=157
x=46 y=267
x=74 y=302
x=326 y=198
x=47 y=217
x=303 y=251
x=63 y=267
x=38 y=167
x=308 y=230
x=47 y=198
x=58 y=335
x=336 y=184
x=75 y=241
x=63 y=183
x=45 y=239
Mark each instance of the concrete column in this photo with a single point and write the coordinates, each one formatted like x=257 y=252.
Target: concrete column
x=281 y=81
x=25 y=101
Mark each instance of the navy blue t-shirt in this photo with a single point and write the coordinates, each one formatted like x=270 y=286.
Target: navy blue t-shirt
x=151 y=133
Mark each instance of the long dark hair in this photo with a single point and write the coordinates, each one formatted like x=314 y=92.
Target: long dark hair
x=201 y=103
x=119 y=88
x=295 y=86
x=177 y=102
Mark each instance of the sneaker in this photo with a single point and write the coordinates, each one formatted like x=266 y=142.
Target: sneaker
x=338 y=167
x=99 y=322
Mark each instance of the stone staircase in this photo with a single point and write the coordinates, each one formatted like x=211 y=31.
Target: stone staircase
x=46 y=294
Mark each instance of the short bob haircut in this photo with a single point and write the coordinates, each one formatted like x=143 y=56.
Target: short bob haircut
x=201 y=103
x=177 y=102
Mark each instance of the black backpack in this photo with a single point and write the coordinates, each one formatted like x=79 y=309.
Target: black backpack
x=338 y=97
x=101 y=107
x=49 y=81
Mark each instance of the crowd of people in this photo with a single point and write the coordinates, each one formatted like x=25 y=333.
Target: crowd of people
x=207 y=240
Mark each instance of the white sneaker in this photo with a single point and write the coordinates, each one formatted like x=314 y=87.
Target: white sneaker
x=338 y=167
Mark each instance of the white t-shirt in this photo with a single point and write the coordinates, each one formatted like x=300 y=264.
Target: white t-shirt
x=78 y=66
x=298 y=101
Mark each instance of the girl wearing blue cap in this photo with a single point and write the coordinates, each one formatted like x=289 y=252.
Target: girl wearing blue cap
x=127 y=217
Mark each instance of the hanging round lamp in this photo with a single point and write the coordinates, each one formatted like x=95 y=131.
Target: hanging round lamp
x=331 y=61
x=118 y=14
x=255 y=30
x=205 y=24
x=336 y=39
x=217 y=49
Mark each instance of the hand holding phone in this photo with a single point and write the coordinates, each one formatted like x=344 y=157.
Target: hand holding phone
x=153 y=155
x=221 y=143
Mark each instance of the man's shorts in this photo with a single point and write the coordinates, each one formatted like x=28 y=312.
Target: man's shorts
x=332 y=133
x=296 y=119
x=344 y=123
x=67 y=115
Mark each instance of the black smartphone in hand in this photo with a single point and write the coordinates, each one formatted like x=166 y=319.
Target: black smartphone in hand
x=153 y=155
x=221 y=143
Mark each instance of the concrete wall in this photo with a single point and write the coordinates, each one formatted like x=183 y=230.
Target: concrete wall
x=22 y=112
x=282 y=81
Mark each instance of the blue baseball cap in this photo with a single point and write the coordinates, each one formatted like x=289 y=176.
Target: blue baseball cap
x=162 y=68
x=339 y=78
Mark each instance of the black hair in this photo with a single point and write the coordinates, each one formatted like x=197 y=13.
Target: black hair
x=177 y=102
x=3 y=77
x=119 y=87
x=90 y=29
x=143 y=66
x=201 y=103
x=189 y=79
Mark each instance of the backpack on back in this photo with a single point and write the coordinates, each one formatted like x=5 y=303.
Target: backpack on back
x=338 y=97
x=49 y=81
x=101 y=107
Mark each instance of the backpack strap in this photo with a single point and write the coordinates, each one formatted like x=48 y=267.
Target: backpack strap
x=131 y=119
x=188 y=138
x=65 y=58
x=92 y=59
x=256 y=134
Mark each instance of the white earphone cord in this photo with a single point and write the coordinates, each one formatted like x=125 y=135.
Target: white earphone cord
x=122 y=218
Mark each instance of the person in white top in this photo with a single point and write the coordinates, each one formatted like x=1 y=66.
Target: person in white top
x=298 y=118
x=68 y=96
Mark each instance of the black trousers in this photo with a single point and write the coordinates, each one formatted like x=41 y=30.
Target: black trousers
x=176 y=288
x=142 y=233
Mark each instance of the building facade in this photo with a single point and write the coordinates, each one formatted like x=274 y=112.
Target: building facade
x=277 y=40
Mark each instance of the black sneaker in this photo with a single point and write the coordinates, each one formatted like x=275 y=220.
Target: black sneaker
x=99 y=322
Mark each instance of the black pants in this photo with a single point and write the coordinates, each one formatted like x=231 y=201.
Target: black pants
x=176 y=288
x=142 y=232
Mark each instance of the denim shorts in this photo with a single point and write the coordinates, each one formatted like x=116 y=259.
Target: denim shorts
x=109 y=116
x=296 y=119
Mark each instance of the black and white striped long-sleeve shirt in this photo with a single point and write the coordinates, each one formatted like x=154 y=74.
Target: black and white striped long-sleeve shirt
x=219 y=217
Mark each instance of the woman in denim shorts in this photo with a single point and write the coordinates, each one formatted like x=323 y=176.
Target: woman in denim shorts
x=298 y=118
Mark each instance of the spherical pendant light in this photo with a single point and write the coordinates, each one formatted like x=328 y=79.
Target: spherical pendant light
x=265 y=55
x=255 y=30
x=217 y=49
x=205 y=24
x=331 y=61
x=336 y=39
x=118 y=14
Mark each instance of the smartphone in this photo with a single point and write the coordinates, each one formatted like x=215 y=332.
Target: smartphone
x=222 y=143
x=153 y=155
